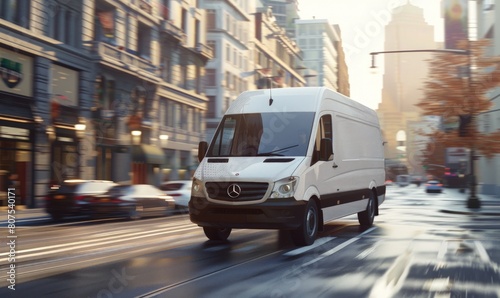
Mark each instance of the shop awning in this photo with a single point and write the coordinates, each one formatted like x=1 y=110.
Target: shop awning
x=148 y=154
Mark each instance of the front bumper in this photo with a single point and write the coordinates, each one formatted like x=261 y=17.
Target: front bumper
x=271 y=214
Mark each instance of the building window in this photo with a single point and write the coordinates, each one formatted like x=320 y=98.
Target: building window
x=211 y=107
x=165 y=9
x=228 y=53
x=198 y=79
x=104 y=25
x=184 y=76
x=190 y=119
x=171 y=113
x=144 y=41
x=210 y=77
x=211 y=19
x=212 y=44
x=167 y=69
x=64 y=23
x=197 y=33
x=16 y=11
x=184 y=20
x=227 y=26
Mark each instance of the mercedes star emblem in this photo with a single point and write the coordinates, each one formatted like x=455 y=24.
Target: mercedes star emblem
x=234 y=191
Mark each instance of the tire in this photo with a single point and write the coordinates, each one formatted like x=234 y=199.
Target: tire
x=135 y=212
x=308 y=231
x=217 y=234
x=366 y=217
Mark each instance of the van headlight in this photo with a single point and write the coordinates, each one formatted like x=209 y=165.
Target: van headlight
x=285 y=188
x=197 y=188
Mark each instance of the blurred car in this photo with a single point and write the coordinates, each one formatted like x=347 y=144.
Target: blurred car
x=72 y=197
x=132 y=201
x=389 y=182
x=416 y=180
x=433 y=186
x=403 y=180
x=180 y=190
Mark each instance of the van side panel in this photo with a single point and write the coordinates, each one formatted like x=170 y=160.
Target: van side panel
x=346 y=182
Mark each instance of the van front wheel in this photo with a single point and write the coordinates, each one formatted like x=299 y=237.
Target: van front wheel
x=366 y=217
x=308 y=230
x=217 y=234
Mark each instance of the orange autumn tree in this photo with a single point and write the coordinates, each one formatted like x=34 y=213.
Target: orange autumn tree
x=457 y=87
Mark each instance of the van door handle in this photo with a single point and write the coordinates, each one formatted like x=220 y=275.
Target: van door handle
x=334 y=165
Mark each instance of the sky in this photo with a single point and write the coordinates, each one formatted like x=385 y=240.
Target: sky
x=362 y=25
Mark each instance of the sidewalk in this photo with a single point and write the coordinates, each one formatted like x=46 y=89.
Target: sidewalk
x=490 y=205
x=22 y=213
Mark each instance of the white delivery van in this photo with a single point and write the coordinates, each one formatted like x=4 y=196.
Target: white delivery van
x=291 y=161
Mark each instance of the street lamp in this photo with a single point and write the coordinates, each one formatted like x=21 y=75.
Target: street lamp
x=80 y=128
x=51 y=133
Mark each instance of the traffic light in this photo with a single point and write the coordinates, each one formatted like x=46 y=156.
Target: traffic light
x=463 y=126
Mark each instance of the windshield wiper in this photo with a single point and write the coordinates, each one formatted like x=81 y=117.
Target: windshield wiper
x=274 y=152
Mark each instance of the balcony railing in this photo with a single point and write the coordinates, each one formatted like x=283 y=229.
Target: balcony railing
x=205 y=50
x=176 y=32
x=122 y=58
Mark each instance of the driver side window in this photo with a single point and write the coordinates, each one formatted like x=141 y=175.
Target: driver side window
x=324 y=131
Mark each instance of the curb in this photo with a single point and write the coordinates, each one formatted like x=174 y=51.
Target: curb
x=478 y=212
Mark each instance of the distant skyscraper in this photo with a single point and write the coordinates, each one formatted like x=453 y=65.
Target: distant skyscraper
x=404 y=74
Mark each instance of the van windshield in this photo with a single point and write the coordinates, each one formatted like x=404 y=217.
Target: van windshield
x=263 y=134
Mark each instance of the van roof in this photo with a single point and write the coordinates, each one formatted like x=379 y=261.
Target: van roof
x=293 y=99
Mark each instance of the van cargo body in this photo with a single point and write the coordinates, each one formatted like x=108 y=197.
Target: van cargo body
x=293 y=161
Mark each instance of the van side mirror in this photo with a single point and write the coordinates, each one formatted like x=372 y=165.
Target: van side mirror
x=202 y=150
x=326 y=150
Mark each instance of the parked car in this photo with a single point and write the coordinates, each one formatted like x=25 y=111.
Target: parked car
x=72 y=197
x=433 y=186
x=132 y=201
x=180 y=190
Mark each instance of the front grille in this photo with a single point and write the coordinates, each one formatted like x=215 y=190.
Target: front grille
x=250 y=191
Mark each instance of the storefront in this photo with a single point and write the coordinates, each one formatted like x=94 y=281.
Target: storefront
x=64 y=112
x=16 y=126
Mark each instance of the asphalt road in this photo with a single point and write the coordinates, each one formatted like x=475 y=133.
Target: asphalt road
x=414 y=249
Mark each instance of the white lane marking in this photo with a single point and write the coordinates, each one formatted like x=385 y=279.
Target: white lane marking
x=338 y=247
x=442 y=250
x=332 y=251
x=367 y=251
x=117 y=232
x=367 y=231
x=393 y=279
x=304 y=249
x=482 y=252
x=88 y=243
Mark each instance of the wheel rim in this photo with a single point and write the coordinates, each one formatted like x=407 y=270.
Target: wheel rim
x=371 y=208
x=311 y=222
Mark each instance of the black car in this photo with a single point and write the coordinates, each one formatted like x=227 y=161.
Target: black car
x=72 y=197
x=132 y=201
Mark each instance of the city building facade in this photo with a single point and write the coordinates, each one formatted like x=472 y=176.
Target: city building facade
x=323 y=56
x=100 y=90
x=488 y=26
x=229 y=72
x=285 y=12
x=276 y=58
